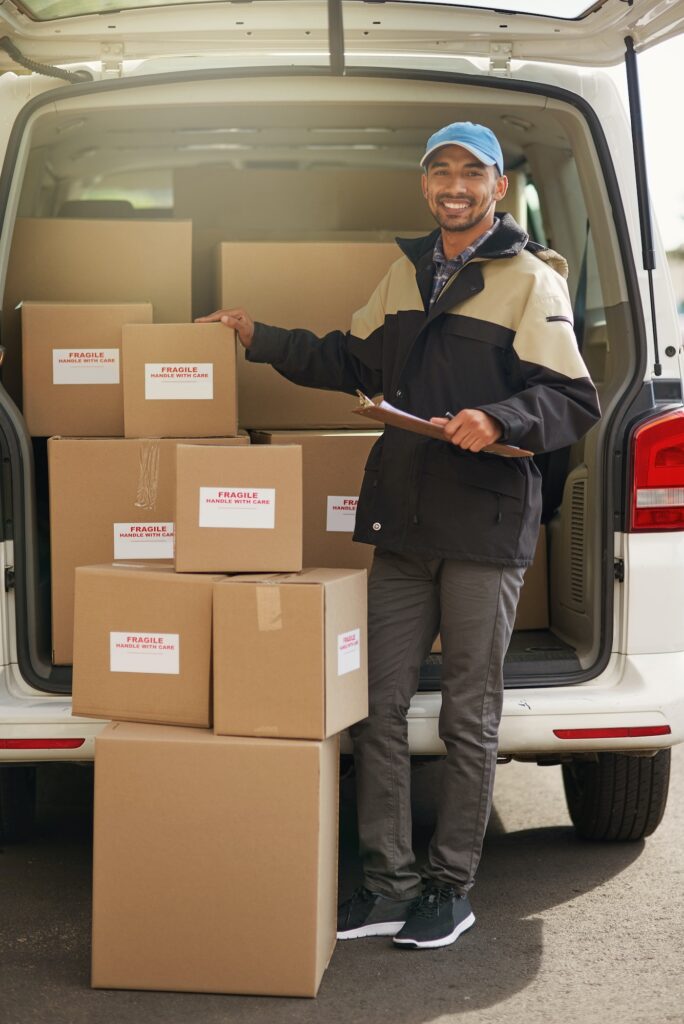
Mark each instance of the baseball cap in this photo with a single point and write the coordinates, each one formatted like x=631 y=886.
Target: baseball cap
x=478 y=140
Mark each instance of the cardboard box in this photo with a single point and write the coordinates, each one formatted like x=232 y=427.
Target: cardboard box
x=239 y=510
x=58 y=259
x=110 y=499
x=72 y=366
x=332 y=464
x=179 y=380
x=319 y=285
x=533 y=604
x=142 y=644
x=290 y=654
x=215 y=862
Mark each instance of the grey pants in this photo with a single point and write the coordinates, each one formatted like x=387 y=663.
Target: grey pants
x=473 y=606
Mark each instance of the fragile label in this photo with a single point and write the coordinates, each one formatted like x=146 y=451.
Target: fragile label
x=341 y=513
x=155 y=653
x=348 y=651
x=143 y=540
x=179 y=381
x=238 y=508
x=85 y=366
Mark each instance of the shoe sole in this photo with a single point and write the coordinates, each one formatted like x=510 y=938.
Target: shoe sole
x=368 y=930
x=468 y=922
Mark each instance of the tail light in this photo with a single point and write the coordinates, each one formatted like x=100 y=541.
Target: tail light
x=657 y=492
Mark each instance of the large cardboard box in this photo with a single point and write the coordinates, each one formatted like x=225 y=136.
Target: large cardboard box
x=59 y=259
x=72 y=366
x=142 y=644
x=110 y=499
x=179 y=380
x=215 y=862
x=319 y=285
x=290 y=654
x=239 y=509
x=333 y=462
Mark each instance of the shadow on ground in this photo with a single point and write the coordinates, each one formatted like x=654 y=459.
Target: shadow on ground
x=45 y=936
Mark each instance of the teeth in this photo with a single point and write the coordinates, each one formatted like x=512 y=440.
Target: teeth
x=456 y=206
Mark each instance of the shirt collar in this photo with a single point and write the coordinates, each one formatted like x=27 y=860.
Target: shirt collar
x=439 y=257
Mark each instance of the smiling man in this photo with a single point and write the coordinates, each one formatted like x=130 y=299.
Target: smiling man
x=471 y=327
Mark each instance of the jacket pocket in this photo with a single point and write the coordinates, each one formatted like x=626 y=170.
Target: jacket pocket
x=472 y=504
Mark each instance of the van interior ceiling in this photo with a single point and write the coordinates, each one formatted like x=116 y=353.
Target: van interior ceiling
x=271 y=164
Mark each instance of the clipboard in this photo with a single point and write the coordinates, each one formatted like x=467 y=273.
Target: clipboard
x=383 y=412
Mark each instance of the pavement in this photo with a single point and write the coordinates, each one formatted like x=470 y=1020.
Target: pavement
x=567 y=931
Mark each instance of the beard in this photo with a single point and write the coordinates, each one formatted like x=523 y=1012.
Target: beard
x=471 y=218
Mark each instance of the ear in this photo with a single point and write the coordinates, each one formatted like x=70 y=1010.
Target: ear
x=501 y=188
x=423 y=184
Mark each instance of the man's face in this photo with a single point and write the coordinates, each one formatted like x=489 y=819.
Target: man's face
x=460 y=190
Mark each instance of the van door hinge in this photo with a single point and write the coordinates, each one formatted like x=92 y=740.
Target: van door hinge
x=619 y=570
x=112 y=57
x=500 y=55
x=9 y=577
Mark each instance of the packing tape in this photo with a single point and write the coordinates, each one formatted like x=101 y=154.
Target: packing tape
x=148 y=475
x=269 y=608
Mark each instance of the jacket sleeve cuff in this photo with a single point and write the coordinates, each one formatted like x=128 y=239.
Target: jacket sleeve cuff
x=268 y=344
x=512 y=426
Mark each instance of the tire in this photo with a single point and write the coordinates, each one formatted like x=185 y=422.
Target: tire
x=17 y=802
x=618 y=798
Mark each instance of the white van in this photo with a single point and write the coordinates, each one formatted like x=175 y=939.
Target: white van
x=313 y=115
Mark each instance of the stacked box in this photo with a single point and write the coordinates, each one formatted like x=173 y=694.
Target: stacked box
x=319 y=286
x=333 y=463
x=215 y=861
x=179 y=380
x=72 y=380
x=111 y=499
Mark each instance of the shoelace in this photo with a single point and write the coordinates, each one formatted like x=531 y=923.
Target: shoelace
x=431 y=899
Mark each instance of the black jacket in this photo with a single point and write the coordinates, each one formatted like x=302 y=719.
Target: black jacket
x=499 y=338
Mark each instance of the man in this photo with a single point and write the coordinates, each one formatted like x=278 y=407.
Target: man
x=471 y=327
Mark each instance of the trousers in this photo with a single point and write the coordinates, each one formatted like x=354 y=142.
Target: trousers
x=410 y=600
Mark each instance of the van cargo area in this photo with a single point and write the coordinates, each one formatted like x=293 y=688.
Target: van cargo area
x=300 y=158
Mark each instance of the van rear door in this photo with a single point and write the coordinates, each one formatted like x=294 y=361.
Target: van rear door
x=562 y=31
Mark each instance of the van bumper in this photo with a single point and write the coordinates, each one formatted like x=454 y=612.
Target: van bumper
x=633 y=691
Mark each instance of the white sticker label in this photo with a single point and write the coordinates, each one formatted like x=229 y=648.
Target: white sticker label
x=348 y=651
x=156 y=653
x=237 y=508
x=85 y=366
x=143 y=540
x=341 y=513
x=179 y=380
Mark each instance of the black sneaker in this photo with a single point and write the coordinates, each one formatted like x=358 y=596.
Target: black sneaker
x=437 y=919
x=368 y=913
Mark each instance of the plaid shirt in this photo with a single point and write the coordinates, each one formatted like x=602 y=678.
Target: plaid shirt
x=445 y=269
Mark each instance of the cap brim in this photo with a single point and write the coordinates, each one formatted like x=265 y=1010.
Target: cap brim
x=487 y=161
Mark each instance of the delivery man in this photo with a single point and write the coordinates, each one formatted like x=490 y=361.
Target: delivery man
x=471 y=327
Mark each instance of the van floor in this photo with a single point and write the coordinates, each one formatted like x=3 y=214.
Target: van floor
x=532 y=652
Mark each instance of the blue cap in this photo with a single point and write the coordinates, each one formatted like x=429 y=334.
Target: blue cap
x=478 y=140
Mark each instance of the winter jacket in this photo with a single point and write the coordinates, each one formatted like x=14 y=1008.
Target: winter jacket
x=499 y=338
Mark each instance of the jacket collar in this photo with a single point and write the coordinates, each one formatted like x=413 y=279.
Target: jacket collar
x=508 y=240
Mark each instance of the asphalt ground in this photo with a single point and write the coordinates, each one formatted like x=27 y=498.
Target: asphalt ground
x=567 y=931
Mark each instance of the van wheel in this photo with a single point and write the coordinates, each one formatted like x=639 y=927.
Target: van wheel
x=17 y=802
x=619 y=797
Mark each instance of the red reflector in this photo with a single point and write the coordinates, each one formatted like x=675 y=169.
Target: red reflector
x=657 y=486
x=609 y=734
x=41 y=744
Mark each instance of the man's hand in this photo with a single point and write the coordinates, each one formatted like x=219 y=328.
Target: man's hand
x=470 y=429
x=240 y=321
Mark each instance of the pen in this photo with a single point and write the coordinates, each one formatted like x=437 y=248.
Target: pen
x=449 y=415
